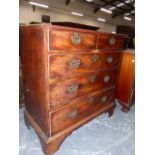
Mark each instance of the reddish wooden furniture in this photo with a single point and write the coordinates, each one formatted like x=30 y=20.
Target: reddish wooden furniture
x=69 y=77
x=21 y=93
x=126 y=82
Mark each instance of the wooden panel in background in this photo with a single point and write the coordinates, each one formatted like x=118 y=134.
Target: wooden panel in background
x=125 y=89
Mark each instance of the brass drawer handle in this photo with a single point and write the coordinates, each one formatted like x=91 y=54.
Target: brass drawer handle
x=95 y=58
x=75 y=63
x=91 y=99
x=112 y=40
x=92 y=78
x=72 y=88
x=76 y=38
x=109 y=59
x=106 y=78
x=73 y=113
x=104 y=99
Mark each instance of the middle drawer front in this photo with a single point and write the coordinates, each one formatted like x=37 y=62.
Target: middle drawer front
x=75 y=64
x=67 y=89
x=81 y=108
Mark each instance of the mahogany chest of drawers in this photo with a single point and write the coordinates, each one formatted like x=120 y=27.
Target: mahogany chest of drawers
x=69 y=77
x=126 y=81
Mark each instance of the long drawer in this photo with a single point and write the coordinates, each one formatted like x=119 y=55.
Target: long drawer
x=75 y=64
x=60 y=39
x=63 y=91
x=80 y=109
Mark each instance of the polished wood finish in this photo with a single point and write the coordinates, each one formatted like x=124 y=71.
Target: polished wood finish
x=125 y=89
x=83 y=107
x=105 y=39
x=61 y=39
x=21 y=92
x=59 y=87
x=67 y=80
x=33 y=59
x=93 y=60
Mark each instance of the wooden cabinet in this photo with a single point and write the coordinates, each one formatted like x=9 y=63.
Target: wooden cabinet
x=21 y=93
x=69 y=77
x=126 y=82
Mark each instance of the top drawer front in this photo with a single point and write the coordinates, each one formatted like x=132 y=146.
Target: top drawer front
x=65 y=39
x=110 y=41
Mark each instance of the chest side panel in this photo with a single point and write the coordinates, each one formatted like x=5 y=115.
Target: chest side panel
x=34 y=75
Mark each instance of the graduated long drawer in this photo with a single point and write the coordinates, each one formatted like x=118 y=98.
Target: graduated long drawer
x=64 y=90
x=74 y=63
x=80 y=109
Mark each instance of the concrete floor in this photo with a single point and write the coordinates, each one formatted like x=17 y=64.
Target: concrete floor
x=101 y=136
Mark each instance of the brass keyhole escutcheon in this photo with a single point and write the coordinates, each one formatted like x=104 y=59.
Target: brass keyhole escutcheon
x=104 y=99
x=109 y=59
x=91 y=99
x=106 y=78
x=92 y=78
x=95 y=58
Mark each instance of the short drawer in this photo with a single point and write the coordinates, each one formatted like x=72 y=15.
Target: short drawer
x=75 y=64
x=80 y=109
x=64 y=90
x=60 y=39
x=110 y=41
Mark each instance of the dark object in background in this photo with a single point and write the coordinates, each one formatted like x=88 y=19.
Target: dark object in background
x=76 y=25
x=45 y=19
x=128 y=30
x=34 y=22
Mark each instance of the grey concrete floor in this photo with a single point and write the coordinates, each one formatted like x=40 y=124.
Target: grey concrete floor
x=101 y=136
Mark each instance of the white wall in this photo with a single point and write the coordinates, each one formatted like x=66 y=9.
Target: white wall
x=26 y=15
x=58 y=11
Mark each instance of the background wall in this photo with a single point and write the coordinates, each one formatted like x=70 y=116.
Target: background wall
x=58 y=11
x=26 y=15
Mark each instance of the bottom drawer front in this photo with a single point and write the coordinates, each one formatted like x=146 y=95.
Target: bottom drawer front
x=80 y=109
